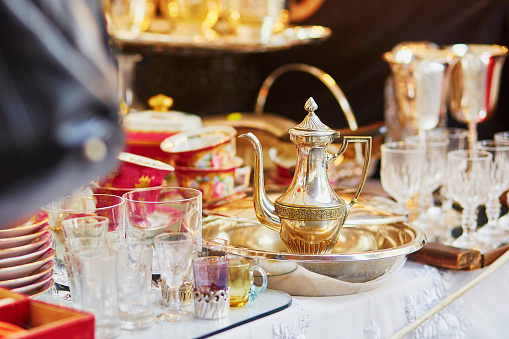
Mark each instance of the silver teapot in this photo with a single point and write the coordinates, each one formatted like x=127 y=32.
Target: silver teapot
x=309 y=215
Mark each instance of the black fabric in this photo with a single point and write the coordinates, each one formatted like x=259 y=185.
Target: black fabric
x=57 y=90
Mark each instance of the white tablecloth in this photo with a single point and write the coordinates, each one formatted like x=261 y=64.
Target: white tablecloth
x=483 y=312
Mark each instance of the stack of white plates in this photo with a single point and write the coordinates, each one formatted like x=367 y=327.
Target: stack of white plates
x=26 y=264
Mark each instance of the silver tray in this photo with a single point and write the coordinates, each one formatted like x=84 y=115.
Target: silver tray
x=293 y=36
x=364 y=257
x=371 y=209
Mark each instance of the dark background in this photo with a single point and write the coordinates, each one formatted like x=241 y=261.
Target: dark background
x=214 y=82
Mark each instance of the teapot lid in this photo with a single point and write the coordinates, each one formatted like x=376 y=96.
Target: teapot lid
x=311 y=125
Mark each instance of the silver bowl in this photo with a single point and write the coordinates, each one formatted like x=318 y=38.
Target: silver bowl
x=364 y=257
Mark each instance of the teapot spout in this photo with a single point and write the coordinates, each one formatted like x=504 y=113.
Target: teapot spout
x=264 y=208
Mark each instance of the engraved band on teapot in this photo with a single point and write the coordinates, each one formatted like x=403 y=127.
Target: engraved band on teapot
x=309 y=213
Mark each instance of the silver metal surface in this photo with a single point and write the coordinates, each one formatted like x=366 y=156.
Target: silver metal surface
x=421 y=75
x=362 y=254
x=293 y=36
x=325 y=78
x=309 y=214
x=475 y=83
x=371 y=209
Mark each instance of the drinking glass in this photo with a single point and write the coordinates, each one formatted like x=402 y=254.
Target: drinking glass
x=174 y=253
x=434 y=168
x=128 y=18
x=241 y=281
x=421 y=75
x=474 y=85
x=211 y=293
x=91 y=229
x=503 y=138
x=153 y=211
x=469 y=184
x=73 y=206
x=72 y=247
x=89 y=226
x=457 y=140
x=257 y=19
x=499 y=183
x=96 y=281
x=401 y=170
x=134 y=278
x=202 y=247
x=207 y=247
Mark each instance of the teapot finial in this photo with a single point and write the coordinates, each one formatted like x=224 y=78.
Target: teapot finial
x=310 y=105
x=311 y=125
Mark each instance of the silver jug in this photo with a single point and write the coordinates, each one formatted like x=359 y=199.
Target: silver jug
x=309 y=215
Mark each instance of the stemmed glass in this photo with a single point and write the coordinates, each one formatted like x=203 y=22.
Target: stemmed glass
x=421 y=74
x=434 y=168
x=474 y=85
x=499 y=184
x=457 y=140
x=126 y=19
x=469 y=185
x=174 y=253
x=502 y=138
x=401 y=170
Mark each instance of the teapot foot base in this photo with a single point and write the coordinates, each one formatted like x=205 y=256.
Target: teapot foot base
x=303 y=247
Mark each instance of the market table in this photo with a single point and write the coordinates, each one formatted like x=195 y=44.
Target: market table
x=480 y=313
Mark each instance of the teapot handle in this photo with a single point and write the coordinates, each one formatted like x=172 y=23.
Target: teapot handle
x=367 y=157
x=325 y=78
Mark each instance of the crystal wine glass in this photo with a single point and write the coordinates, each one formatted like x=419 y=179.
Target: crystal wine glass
x=457 y=140
x=174 y=253
x=503 y=139
x=401 y=170
x=499 y=184
x=434 y=167
x=474 y=85
x=469 y=184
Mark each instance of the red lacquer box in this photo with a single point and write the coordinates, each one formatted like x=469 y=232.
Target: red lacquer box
x=43 y=320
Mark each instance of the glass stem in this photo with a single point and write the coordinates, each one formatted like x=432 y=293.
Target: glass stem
x=403 y=205
x=472 y=135
x=446 y=201
x=174 y=298
x=126 y=64
x=469 y=220
x=425 y=201
x=422 y=138
x=493 y=207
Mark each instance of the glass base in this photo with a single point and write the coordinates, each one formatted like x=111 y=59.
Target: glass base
x=60 y=274
x=438 y=224
x=494 y=230
x=503 y=222
x=137 y=321
x=494 y=234
x=107 y=331
x=174 y=316
x=472 y=241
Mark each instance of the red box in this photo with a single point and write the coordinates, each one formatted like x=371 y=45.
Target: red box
x=43 y=320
